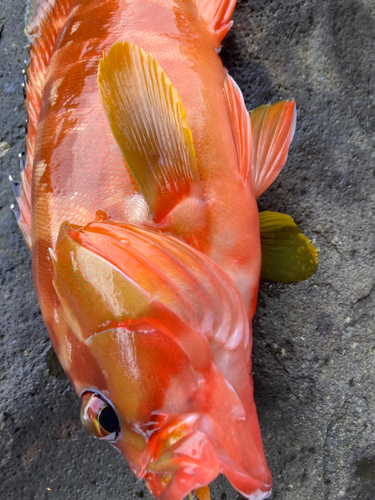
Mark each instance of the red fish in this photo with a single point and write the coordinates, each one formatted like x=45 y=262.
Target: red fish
x=138 y=202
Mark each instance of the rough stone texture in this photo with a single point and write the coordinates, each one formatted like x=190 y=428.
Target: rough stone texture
x=314 y=345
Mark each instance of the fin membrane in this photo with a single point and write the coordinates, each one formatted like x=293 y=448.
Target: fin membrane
x=241 y=126
x=287 y=255
x=273 y=127
x=200 y=494
x=217 y=14
x=44 y=20
x=150 y=125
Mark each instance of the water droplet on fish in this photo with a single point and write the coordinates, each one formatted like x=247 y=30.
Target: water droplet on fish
x=126 y=241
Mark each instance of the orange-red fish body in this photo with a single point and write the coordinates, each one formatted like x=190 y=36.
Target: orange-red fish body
x=78 y=166
x=151 y=314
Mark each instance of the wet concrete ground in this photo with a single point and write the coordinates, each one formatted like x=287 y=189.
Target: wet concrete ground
x=314 y=342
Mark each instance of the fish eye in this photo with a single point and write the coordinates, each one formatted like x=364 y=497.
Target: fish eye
x=98 y=417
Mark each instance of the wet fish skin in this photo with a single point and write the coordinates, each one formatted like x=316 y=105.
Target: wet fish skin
x=105 y=315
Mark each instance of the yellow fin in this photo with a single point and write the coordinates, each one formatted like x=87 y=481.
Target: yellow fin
x=150 y=125
x=200 y=494
x=287 y=255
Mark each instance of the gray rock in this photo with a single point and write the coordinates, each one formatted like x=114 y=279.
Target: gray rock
x=314 y=343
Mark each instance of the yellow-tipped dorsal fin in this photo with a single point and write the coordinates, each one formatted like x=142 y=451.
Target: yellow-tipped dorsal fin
x=287 y=255
x=150 y=125
x=200 y=494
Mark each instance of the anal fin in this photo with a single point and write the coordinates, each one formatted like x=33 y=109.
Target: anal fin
x=150 y=126
x=273 y=127
x=287 y=255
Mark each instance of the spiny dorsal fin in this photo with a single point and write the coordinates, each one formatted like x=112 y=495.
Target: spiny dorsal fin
x=44 y=19
x=287 y=255
x=150 y=125
x=241 y=127
x=273 y=129
x=217 y=14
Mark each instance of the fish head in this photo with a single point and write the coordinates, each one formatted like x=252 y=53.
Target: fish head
x=120 y=293
x=143 y=307
x=153 y=404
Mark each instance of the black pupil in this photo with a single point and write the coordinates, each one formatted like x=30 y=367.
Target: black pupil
x=108 y=419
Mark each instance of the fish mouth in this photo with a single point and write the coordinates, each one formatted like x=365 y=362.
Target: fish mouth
x=178 y=458
x=181 y=455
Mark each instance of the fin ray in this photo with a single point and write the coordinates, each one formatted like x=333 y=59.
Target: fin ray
x=241 y=127
x=273 y=127
x=44 y=19
x=150 y=126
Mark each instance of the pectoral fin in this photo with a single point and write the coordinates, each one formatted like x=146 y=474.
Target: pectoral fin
x=150 y=125
x=287 y=255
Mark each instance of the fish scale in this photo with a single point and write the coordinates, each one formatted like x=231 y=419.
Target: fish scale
x=78 y=120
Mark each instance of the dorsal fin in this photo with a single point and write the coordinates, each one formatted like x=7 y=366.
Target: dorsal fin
x=273 y=129
x=44 y=19
x=241 y=127
x=150 y=125
x=217 y=14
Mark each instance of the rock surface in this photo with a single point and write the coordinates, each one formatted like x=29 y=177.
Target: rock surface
x=314 y=342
